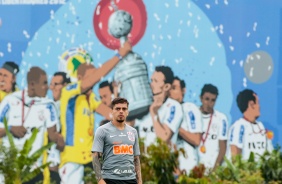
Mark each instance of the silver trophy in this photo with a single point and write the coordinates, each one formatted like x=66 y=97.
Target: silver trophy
x=131 y=72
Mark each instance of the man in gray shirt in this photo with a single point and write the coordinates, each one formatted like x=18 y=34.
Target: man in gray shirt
x=116 y=149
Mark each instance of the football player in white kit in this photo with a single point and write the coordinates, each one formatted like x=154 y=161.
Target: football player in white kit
x=165 y=115
x=28 y=109
x=190 y=131
x=215 y=126
x=58 y=81
x=248 y=134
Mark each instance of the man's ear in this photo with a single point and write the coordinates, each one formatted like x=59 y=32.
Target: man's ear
x=79 y=77
x=251 y=104
x=167 y=87
x=183 y=90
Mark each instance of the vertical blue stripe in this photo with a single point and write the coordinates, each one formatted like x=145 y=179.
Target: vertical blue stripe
x=4 y=112
x=192 y=119
x=241 y=134
x=172 y=113
x=224 y=128
x=70 y=121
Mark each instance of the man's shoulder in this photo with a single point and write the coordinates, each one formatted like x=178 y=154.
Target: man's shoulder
x=172 y=103
x=220 y=115
x=238 y=123
x=189 y=106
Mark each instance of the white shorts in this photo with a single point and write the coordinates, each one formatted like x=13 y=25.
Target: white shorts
x=72 y=173
x=188 y=163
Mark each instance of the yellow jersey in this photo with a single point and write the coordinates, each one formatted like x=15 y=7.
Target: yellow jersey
x=2 y=95
x=77 y=124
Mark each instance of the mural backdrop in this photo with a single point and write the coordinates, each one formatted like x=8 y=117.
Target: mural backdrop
x=233 y=45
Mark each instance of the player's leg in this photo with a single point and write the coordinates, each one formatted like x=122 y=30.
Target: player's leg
x=71 y=173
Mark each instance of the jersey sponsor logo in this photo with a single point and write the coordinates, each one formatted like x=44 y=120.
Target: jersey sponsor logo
x=4 y=111
x=241 y=133
x=86 y=112
x=224 y=128
x=213 y=136
x=123 y=149
x=52 y=111
x=123 y=171
x=172 y=113
x=71 y=86
x=192 y=119
x=111 y=136
x=257 y=145
x=131 y=136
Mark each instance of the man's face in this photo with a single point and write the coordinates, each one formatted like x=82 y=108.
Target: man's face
x=208 y=102
x=157 y=83
x=106 y=95
x=120 y=112
x=56 y=87
x=6 y=80
x=176 y=92
x=41 y=86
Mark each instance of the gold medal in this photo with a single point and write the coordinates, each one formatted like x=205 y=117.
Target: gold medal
x=269 y=134
x=203 y=149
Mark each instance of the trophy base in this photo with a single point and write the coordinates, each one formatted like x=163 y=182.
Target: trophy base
x=138 y=113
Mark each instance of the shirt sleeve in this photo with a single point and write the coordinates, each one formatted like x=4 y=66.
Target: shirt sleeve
x=174 y=117
x=192 y=120
x=98 y=143
x=136 y=148
x=237 y=135
x=51 y=115
x=223 y=127
x=4 y=111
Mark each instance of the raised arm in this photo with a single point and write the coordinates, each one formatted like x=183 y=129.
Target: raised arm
x=97 y=166
x=94 y=75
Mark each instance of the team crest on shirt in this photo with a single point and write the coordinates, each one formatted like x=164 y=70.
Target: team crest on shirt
x=131 y=136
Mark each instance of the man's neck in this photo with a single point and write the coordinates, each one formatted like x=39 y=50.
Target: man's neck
x=249 y=117
x=119 y=125
x=205 y=112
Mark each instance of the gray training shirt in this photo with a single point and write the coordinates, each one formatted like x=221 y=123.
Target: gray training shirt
x=118 y=148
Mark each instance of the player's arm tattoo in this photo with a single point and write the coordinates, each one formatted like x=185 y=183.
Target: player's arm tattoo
x=138 y=169
x=97 y=165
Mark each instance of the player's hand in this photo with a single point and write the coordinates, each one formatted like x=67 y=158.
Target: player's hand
x=60 y=143
x=156 y=105
x=102 y=182
x=18 y=131
x=116 y=88
x=125 y=48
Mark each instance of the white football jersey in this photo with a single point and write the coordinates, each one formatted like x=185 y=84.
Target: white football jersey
x=249 y=137
x=41 y=114
x=217 y=131
x=54 y=154
x=192 y=122
x=170 y=113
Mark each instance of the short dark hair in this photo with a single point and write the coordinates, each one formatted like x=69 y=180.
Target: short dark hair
x=34 y=74
x=66 y=79
x=209 y=88
x=118 y=100
x=12 y=67
x=168 y=73
x=182 y=83
x=243 y=99
x=105 y=84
